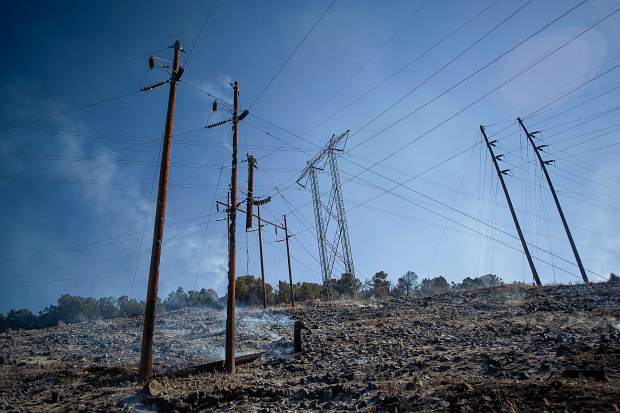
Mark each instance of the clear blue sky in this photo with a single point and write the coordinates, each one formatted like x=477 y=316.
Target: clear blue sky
x=77 y=187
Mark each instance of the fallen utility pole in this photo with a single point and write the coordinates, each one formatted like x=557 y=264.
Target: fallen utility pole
x=288 y=257
x=543 y=165
x=146 y=355
x=500 y=174
x=232 y=252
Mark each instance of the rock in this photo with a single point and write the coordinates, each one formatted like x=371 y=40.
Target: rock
x=153 y=388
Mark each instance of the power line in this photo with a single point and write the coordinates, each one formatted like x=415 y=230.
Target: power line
x=402 y=68
x=436 y=72
x=480 y=69
x=440 y=124
x=204 y=24
x=367 y=61
x=66 y=112
x=290 y=56
x=204 y=236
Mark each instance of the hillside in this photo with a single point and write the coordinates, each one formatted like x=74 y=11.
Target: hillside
x=504 y=349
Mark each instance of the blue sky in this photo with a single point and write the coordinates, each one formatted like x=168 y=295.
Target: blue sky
x=78 y=187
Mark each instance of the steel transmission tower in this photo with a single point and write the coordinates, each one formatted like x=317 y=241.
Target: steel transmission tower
x=324 y=213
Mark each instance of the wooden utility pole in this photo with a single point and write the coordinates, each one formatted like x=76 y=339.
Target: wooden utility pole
x=260 y=249
x=500 y=174
x=250 y=198
x=146 y=355
x=288 y=256
x=543 y=165
x=232 y=253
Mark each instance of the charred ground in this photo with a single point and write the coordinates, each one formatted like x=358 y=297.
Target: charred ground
x=500 y=349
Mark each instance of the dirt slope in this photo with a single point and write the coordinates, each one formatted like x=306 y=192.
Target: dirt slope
x=505 y=349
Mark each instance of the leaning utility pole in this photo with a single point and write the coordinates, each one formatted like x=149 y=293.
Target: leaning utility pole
x=232 y=221
x=146 y=355
x=288 y=257
x=543 y=165
x=500 y=174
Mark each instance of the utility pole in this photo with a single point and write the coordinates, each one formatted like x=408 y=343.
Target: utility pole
x=288 y=256
x=146 y=355
x=232 y=221
x=250 y=198
x=500 y=174
x=543 y=165
x=260 y=248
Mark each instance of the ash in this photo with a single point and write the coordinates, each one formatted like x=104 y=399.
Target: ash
x=516 y=349
x=182 y=338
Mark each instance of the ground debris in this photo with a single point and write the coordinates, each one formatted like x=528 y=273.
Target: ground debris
x=510 y=349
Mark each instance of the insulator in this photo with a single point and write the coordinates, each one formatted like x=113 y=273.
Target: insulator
x=262 y=202
x=151 y=62
x=214 y=107
x=213 y=125
x=153 y=86
x=243 y=114
x=176 y=76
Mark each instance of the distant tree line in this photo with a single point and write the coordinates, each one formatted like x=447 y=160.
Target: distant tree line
x=72 y=309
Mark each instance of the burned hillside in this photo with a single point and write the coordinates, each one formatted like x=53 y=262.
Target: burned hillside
x=500 y=349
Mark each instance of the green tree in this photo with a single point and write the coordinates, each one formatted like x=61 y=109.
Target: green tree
x=250 y=290
x=307 y=291
x=176 y=300
x=21 y=319
x=203 y=298
x=406 y=285
x=129 y=307
x=434 y=286
x=283 y=292
x=348 y=285
x=380 y=285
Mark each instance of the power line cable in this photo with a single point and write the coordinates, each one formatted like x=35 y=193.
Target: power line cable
x=202 y=28
x=290 y=56
x=367 y=61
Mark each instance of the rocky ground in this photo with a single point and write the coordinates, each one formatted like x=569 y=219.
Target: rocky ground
x=505 y=349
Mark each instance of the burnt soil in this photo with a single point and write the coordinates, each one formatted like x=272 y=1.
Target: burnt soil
x=512 y=349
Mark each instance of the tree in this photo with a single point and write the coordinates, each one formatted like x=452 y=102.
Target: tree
x=406 y=284
x=485 y=281
x=307 y=291
x=21 y=319
x=203 y=298
x=129 y=307
x=106 y=308
x=434 y=286
x=250 y=290
x=380 y=285
x=176 y=300
x=283 y=293
x=348 y=285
